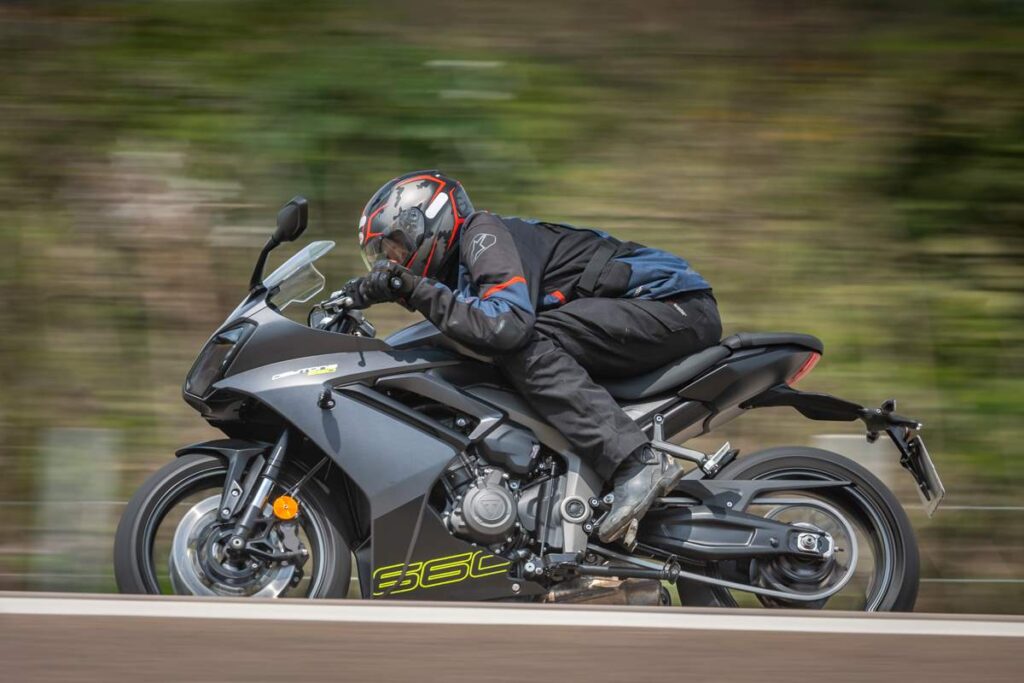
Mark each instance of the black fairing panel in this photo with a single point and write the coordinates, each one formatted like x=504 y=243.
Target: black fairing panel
x=426 y=334
x=520 y=412
x=423 y=333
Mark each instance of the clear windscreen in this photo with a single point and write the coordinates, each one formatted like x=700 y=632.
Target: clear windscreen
x=297 y=280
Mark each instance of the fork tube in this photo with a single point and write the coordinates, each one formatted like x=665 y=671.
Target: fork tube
x=259 y=499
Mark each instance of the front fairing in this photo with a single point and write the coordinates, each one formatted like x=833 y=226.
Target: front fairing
x=285 y=367
x=281 y=352
x=279 y=339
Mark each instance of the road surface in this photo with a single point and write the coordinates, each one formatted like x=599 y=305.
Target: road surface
x=52 y=637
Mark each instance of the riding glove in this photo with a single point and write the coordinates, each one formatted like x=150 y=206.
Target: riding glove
x=353 y=289
x=387 y=281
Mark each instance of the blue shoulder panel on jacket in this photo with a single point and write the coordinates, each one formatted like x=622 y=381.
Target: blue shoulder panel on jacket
x=498 y=299
x=657 y=274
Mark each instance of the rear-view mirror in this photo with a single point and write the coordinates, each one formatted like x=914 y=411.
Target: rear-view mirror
x=292 y=220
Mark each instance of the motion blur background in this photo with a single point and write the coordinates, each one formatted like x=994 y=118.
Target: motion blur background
x=853 y=170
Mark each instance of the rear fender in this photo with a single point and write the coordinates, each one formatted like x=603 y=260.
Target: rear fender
x=810 y=405
x=900 y=429
x=827 y=407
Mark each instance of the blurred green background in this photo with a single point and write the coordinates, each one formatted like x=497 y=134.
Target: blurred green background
x=853 y=170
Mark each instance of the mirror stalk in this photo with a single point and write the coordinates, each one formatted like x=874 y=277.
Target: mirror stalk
x=256 y=281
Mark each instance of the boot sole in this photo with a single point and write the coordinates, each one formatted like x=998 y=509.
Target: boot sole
x=666 y=484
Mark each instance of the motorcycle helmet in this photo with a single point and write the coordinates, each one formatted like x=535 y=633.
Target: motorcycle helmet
x=414 y=220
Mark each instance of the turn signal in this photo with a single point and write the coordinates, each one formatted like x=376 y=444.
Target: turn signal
x=286 y=507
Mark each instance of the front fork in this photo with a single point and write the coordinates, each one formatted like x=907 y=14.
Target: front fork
x=243 y=530
x=246 y=496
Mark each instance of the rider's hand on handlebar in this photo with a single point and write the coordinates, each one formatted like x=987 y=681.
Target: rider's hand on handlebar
x=388 y=281
x=353 y=290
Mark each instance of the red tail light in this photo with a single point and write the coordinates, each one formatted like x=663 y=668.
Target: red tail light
x=808 y=365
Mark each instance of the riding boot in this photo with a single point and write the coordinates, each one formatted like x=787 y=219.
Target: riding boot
x=642 y=477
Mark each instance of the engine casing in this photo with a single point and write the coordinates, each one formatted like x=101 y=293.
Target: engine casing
x=488 y=510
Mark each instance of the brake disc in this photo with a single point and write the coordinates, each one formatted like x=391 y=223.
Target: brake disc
x=195 y=543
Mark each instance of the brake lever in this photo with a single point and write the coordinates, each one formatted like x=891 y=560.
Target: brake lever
x=337 y=302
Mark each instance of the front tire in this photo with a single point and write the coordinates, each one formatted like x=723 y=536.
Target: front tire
x=197 y=474
x=867 y=499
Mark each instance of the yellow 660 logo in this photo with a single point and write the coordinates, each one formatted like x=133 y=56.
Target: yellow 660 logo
x=439 y=571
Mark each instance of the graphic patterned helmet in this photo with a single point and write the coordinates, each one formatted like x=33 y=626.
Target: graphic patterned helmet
x=414 y=220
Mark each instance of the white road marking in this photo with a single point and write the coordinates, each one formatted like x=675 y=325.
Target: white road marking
x=514 y=615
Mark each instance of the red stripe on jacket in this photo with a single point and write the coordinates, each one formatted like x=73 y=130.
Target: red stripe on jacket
x=503 y=285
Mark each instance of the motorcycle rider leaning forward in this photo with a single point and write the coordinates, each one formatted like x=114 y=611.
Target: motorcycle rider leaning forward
x=553 y=305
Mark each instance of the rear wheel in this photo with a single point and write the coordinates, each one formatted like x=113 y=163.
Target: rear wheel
x=876 y=547
x=170 y=540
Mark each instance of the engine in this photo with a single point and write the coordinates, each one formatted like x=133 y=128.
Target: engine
x=517 y=514
x=495 y=505
x=487 y=510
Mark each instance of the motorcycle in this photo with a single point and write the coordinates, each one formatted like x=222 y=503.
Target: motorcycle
x=413 y=457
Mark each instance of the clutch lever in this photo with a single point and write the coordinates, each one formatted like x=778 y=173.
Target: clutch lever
x=337 y=301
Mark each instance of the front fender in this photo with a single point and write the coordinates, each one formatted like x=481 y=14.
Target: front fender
x=226 y=448
x=238 y=453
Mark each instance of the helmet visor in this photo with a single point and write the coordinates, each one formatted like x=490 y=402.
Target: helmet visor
x=394 y=247
x=400 y=234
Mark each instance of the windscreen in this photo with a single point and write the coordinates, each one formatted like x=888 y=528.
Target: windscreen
x=297 y=280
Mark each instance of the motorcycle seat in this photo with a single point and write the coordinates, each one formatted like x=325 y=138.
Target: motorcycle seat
x=743 y=340
x=678 y=372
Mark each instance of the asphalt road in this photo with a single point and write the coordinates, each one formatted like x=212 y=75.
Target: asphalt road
x=109 y=638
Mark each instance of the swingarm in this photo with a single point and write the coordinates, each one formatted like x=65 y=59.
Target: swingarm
x=706 y=520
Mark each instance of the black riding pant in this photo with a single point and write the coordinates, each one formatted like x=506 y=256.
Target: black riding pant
x=605 y=338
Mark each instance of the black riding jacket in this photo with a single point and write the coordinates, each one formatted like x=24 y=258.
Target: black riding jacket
x=511 y=269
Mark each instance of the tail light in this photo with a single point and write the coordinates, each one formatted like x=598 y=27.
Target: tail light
x=808 y=365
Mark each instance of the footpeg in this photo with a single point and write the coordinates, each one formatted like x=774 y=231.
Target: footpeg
x=719 y=459
x=659 y=443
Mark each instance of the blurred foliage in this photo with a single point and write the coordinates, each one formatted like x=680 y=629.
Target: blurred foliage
x=850 y=169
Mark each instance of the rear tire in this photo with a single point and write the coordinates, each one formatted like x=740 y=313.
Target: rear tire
x=134 y=567
x=900 y=591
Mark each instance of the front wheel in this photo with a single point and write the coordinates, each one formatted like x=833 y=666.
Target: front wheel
x=170 y=540
x=865 y=514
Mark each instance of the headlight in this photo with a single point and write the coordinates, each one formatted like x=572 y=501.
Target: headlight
x=216 y=356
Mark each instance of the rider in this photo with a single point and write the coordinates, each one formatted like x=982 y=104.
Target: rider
x=553 y=305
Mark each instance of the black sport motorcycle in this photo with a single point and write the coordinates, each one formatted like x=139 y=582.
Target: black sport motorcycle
x=413 y=455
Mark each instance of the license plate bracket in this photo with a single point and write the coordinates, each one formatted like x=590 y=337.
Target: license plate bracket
x=915 y=459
